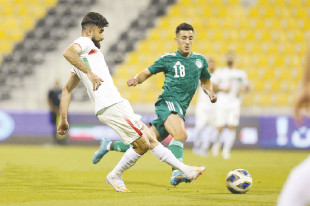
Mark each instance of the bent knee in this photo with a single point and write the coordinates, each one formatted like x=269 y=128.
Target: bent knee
x=181 y=136
x=143 y=148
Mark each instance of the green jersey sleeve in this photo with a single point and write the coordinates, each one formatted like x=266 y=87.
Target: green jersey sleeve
x=158 y=66
x=205 y=72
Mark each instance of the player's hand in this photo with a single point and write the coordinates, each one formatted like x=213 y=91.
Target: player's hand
x=63 y=127
x=132 y=82
x=303 y=101
x=95 y=80
x=212 y=97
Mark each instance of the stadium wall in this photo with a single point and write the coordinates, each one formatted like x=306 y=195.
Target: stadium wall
x=253 y=132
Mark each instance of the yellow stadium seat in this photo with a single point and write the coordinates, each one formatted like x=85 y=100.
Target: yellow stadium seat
x=305 y=3
x=263 y=3
x=289 y=85
x=220 y=12
x=248 y=100
x=248 y=35
x=292 y=3
x=283 y=99
x=269 y=75
x=262 y=60
x=254 y=12
x=15 y=35
x=207 y=12
x=6 y=47
x=286 y=48
x=268 y=11
x=289 y=23
x=300 y=12
x=276 y=86
x=271 y=47
x=279 y=60
x=278 y=2
x=300 y=48
x=260 y=85
x=218 y=35
x=2 y=33
x=50 y=2
x=266 y=99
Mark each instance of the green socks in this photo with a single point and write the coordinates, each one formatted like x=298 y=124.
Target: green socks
x=119 y=146
x=176 y=147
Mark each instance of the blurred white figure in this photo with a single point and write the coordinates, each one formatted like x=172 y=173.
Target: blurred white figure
x=230 y=83
x=296 y=190
x=205 y=130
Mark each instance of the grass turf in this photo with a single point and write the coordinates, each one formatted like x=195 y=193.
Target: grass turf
x=51 y=175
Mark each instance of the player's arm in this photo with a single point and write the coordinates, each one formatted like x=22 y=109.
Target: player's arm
x=139 y=78
x=303 y=99
x=72 y=55
x=245 y=87
x=63 y=125
x=206 y=86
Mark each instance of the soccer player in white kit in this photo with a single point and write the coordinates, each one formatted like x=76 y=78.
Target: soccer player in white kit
x=231 y=83
x=111 y=109
x=205 y=114
x=296 y=190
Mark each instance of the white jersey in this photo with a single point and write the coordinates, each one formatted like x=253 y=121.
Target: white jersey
x=203 y=100
x=107 y=94
x=231 y=79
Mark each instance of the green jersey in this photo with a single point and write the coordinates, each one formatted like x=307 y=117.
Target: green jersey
x=182 y=76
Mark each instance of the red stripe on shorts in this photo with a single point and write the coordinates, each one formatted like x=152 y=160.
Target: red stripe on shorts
x=135 y=128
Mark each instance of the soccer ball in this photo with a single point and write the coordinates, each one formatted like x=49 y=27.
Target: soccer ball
x=238 y=181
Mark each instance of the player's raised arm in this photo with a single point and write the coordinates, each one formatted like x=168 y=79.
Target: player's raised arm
x=63 y=125
x=206 y=85
x=72 y=55
x=139 y=78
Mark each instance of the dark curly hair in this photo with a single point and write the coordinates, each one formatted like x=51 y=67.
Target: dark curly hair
x=93 y=18
x=184 y=26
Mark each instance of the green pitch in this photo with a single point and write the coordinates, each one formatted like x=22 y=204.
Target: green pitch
x=49 y=175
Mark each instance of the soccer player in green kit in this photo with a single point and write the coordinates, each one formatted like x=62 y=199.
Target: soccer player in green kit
x=183 y=69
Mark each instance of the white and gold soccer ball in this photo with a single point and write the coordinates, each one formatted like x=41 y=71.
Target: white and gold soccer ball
x=238 y=181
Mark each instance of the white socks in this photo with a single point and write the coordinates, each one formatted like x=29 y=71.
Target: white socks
x=229 y=139
x=165 y=155
x=211 y=135
x=128 y=160
x=130 y=157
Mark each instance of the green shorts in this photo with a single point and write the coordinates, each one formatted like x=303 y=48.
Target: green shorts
x=163 y=109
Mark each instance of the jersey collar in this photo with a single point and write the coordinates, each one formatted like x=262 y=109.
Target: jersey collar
x=180 y=55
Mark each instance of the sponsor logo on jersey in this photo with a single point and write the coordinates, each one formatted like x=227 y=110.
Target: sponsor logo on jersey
x=198 y=63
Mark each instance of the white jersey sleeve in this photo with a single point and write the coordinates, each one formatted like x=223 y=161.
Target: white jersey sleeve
x=85 y=43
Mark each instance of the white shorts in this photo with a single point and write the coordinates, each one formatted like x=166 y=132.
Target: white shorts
x=122 y=119
x=227 y=117
x=205 y=116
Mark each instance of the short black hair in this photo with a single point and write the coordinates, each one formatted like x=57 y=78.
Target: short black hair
x=184 y=26
x=94 y=18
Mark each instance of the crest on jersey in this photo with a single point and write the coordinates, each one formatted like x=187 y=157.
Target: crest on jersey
x=198 y=63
